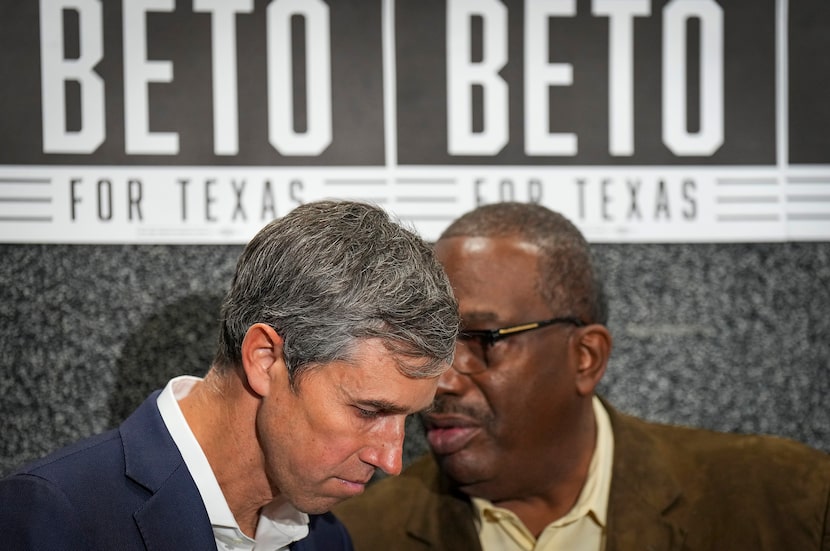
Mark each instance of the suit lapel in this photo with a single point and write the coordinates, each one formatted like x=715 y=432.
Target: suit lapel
x=174 y=513
x=637 y=523
x=643 y=493
x=442 y=520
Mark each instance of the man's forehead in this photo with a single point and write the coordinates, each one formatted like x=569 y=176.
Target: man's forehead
x=486 y=258
x=482 y=243
x=493 y=283
x=374 y=378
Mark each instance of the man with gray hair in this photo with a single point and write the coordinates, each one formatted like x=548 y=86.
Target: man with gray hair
x=336 y=326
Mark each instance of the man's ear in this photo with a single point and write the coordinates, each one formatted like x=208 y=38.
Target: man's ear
x=262 y=358
x=594 y=349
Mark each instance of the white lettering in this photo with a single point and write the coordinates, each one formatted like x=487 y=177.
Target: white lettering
x=621 y=15
x=675 y=121
x=225 y=82
x=281 y=131
x=55 y=71
x=138 y=72
x=463 y=74
x=540 y=75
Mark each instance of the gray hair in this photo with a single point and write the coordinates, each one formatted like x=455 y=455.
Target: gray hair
x=331 y=273
x=568 y=278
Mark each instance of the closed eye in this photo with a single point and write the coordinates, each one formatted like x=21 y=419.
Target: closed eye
x=371 y=409
x=366 y=413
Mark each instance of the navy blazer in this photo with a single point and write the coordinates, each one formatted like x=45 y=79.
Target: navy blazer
x=124 y=489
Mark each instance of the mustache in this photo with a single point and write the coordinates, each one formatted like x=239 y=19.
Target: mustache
x=451 y=406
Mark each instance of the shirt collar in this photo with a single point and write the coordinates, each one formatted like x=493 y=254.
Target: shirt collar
x=280 y=523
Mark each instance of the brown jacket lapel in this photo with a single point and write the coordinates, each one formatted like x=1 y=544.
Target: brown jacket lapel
x=642 y=493
x=443 y=519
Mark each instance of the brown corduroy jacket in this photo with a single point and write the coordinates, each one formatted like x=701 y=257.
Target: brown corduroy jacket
x=672 y=488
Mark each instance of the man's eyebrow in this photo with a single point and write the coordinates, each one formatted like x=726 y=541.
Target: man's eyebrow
x=384 y=406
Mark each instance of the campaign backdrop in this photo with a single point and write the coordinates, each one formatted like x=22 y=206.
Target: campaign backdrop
x=197 y=121
x=144 y=141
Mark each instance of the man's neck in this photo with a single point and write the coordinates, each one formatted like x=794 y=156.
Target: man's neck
x=552 y=497
x=221 y=413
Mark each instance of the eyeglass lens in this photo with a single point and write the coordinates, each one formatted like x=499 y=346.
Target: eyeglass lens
x=478 y=342
x=477 y=346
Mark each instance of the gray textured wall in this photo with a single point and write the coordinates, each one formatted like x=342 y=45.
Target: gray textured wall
x=734 y=337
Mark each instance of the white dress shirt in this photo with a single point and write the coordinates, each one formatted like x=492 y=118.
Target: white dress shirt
x=280 y=523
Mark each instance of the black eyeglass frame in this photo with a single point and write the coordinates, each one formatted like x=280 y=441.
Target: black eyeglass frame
x=488 y=337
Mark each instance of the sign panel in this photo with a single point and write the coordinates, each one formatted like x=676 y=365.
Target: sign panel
x=164 y=121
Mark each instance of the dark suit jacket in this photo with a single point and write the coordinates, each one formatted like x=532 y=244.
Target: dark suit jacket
x=125 y=489
x=672 y=488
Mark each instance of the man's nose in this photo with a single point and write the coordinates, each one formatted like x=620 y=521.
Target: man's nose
x=386 y=451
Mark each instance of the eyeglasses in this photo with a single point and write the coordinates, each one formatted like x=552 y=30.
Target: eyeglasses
x=479 y=341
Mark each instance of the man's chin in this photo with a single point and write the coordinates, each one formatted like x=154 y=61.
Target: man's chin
x=318 y=505
x=463 y=468
x=319 y=509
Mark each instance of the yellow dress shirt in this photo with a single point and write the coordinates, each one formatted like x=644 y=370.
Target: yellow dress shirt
x=581 y=529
